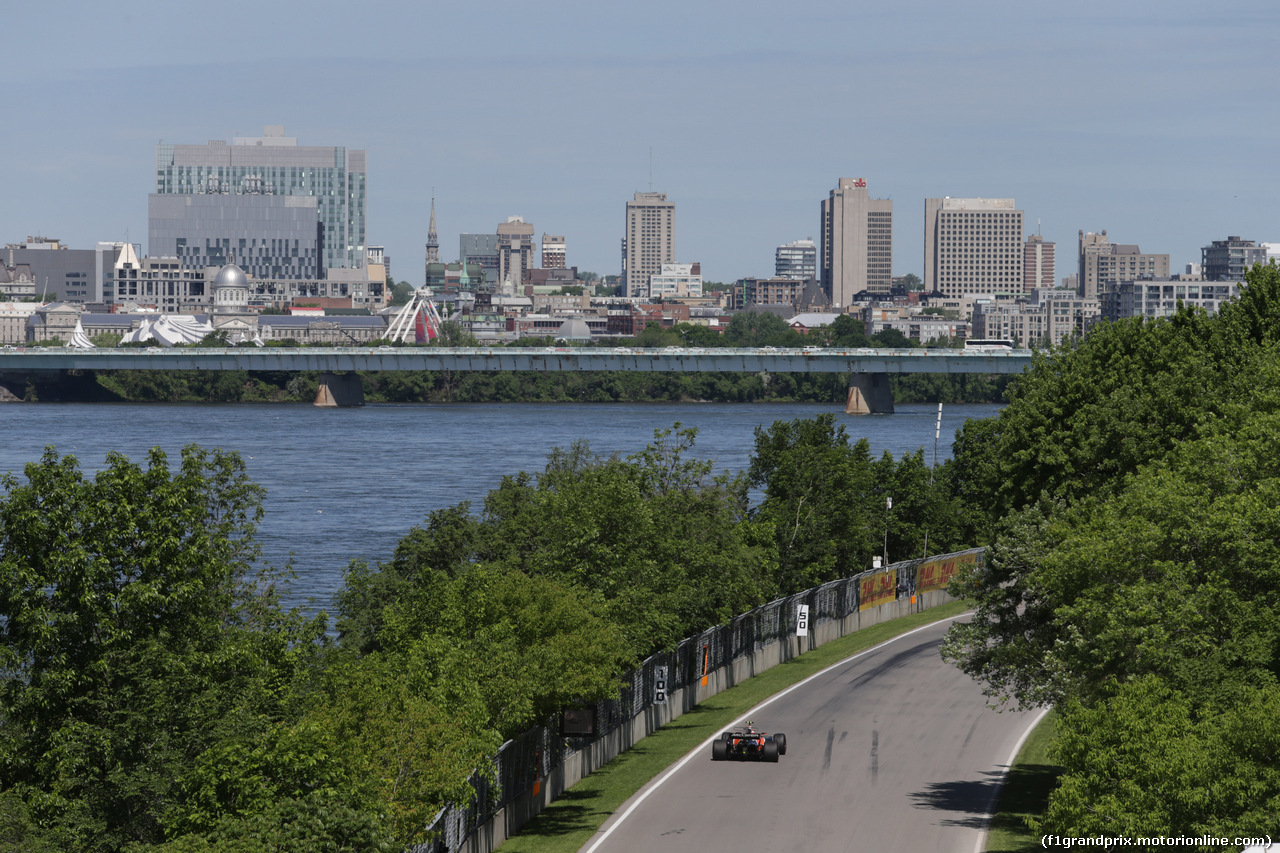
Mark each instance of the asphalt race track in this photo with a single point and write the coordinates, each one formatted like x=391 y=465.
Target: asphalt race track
x=891 y=751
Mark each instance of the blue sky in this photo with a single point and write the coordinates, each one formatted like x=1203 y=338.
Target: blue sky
x=1157 y=121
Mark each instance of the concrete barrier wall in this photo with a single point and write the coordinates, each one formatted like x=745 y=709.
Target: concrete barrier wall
x=584 y=762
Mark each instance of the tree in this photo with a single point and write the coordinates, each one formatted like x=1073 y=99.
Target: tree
x=654 y=335
x=820 y=496
x=758 y=329
x=891 y=338
x=666 y=547
x=847 y=332
x=135 y=633
x=696 y=335
x=1176 y=575
x=400 y=292
x=106 y=339
x=1148 y=761
x=454 y=334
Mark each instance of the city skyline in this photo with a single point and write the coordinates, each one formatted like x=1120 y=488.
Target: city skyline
x=1153 y=123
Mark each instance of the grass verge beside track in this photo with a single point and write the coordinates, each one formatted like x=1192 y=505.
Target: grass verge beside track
x=568 y=823
x=1026 y=792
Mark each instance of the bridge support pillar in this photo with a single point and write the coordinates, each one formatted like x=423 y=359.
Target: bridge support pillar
x=869 y=394
x=340 y=389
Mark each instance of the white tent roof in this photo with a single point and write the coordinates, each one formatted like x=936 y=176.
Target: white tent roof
x=79 y=340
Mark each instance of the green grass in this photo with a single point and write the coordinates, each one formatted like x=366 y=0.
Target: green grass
x=567 y=824
x=1026 y=792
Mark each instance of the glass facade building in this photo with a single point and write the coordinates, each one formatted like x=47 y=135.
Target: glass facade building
x=266 y=236
x=273 y=165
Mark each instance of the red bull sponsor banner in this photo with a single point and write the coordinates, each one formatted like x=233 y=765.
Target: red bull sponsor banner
x=936 y=574
x=878 y=589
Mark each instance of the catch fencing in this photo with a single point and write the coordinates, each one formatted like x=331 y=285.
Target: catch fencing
x=536 y=767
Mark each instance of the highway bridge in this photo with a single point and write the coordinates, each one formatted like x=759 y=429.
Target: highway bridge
x=868 y=369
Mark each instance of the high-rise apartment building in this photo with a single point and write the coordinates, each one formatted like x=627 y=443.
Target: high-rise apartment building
x=554 y=252
x=1101 y=262
x=798 y=260
x=1037 y=263
x=259 y=176
x=1229 y=259
x=515 y=250
x=857 y=243
x=648 y=242
x=972 y=246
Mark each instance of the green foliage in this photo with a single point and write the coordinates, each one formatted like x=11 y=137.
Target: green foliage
x=825 y=499
x=847 y=331
x=760 y=329
x=19 y=832
x=656 y=336
x=654 y=545
x=1146 y=761
x=316 y=823
x=892 y=339
x=454 y=334
x=135 y=633
x=1130 y=491
x=106 y=339
x=215 y=339
x=400 y=292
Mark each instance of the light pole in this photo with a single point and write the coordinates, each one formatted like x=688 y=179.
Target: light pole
x=888 y=505
x=937 y=430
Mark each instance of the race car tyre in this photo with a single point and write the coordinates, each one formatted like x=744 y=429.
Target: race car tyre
x=771 y=751
x=727 y=737
x=781 y=741
x=719 y=750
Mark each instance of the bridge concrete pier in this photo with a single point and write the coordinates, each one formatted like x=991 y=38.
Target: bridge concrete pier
x=869 y=394
x=342 y=390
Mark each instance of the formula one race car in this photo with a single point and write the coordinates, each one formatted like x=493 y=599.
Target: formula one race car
x=749 y=745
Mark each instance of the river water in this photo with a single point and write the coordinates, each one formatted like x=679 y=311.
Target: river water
x=346 y=484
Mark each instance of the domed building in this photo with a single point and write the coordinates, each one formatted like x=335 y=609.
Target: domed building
x=230 y=291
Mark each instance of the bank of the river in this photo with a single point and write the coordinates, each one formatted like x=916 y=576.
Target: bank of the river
x=192 y=386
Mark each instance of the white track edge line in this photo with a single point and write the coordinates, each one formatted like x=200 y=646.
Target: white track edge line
x=981 y=844
x=702 y=746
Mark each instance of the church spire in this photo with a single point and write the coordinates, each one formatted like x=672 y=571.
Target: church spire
x=433 y=241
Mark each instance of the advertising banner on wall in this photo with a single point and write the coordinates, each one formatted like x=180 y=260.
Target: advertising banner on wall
x=878 y=589
x=936 y=574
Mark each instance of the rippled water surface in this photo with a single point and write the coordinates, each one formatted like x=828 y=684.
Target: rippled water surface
x=346 y=484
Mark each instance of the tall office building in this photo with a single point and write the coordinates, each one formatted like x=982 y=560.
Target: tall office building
x=515 y=250
x=1037 y=263
x=1229 y=259
x=482 y=250
x=972 y=246
x=59 y=272
x=798 y=260
x=857 y=243
x=266 y=236
x=554 y=254
x=648 y=242
x=1102 y=262
x=256 y=177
